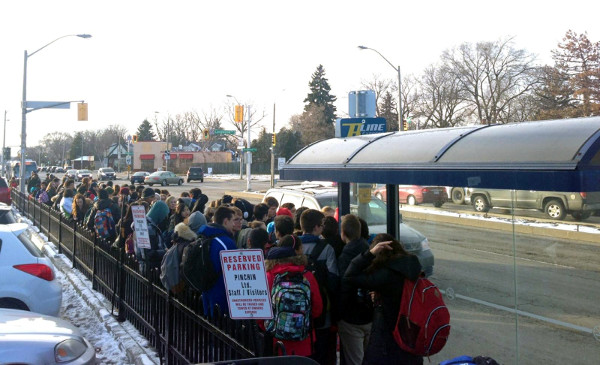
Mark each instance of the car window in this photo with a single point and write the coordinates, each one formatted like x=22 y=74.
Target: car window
x=292 y=198
x=3 y=183
x=26 y=240
x=277 y=195
x=310 y=203
x=6 y=217
x=327 y=200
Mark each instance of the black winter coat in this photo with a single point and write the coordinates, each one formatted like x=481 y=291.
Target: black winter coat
x=387 y=282
x=354 y=303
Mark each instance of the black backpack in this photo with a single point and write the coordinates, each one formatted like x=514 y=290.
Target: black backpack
x=196 y=267
x=321 y=274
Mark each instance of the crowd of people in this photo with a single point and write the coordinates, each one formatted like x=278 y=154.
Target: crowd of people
x=352 y=281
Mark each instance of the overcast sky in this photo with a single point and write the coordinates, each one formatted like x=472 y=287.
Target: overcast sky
x=177 y=56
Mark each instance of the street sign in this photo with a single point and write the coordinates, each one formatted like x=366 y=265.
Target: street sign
x=280 y=163
x=223 y=131
x=249 y=150
x=350 y=127
x=128 y=160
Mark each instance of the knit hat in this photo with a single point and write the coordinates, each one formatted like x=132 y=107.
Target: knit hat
x=158 y=212
x=103 y=194
x=93 y=184
x=280 y=253
x=285 y=211
x=196 y=220
x=148 y=192
x=124 y=191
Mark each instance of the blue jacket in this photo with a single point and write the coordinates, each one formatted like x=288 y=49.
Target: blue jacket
x=216 y=295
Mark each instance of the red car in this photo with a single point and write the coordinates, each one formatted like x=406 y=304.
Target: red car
x=4 y=192
x=416 y=194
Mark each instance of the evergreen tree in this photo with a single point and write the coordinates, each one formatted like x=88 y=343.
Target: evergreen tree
x=288 y=143
x=579 y=59
x=263 y=147
x=387 y=110
x=319 y=95
x=144 y=132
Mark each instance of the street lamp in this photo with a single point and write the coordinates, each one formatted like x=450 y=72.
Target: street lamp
x=249 y=156
x=397 y=69
x=24 y=106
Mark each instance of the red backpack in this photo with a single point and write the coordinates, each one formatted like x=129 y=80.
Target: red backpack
x=423 y=324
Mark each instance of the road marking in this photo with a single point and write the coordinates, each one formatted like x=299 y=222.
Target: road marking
x=524 y=259
x=522 y=313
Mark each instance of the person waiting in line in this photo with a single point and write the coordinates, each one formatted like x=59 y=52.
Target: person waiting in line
x=257 y=239
x=328 y=211
x=332 y=236
x=356 y=309
x=149 y=259
x=288 y=258
x=222 y=230
x=80 y=206
x=382 y=269
x=297 y=227
x=182 y=211
x=66 y=203
x=273 y=204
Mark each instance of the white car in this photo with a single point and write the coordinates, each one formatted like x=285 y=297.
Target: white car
x=27 y=276
x=32 y=338
x=83 y=173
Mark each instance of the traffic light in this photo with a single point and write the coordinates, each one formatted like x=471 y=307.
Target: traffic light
x=274 y=139
x=205 y=134
x=134 y=138
x=239 y=114
x=404 y=125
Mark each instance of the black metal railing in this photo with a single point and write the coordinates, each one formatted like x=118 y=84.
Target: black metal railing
x=174 y=326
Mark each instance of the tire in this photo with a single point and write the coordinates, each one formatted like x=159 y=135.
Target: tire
x=379 y=196
x=457 y=195
x=202 y=180
x=150 y=184
x=180 y=182
x=555 y=209
x=579 y=216
x=164 y=183
x=411 y=200
x=12 y=303
x=480 y=204
x=189 y=180
x=438 y=204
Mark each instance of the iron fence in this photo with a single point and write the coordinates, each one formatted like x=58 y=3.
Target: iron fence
x=174 y=326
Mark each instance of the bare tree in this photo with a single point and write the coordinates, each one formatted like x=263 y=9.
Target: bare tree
x=307 y=124
x=493 y=74
x=442 y=99
x=255 y=118
x=380 y=87
x=55 y=146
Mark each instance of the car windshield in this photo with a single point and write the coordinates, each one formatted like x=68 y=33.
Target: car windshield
x=72 y=172
x=108 y=170
x=373 y=213
x=84 y=171
x=27 y=241
x=140 y=173
x=157 y=173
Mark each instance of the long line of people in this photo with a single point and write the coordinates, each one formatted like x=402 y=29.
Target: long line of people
x=353 y=287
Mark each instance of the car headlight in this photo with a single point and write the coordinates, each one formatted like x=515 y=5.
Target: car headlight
x=69 y=350
x=425 y=245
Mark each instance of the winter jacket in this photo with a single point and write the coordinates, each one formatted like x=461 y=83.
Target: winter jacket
x=66 y=206
x=304 y=347
x=354 y=302
x=387 y=282
x=216 y=294
x=152 y=257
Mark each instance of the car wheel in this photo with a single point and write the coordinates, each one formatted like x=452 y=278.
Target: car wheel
x=164 y=183
x=438 y=204
x=202 y=180
x=480 y=204
x=579 y=216
x=11 y=303
x=379 y=196
x=555 y=209
x=150 y=184
x=180 y=182
x=411 y=200
x=457 y=195
x=189 y=180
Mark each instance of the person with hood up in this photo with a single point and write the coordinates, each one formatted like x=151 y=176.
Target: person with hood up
x=66 y=203
x=150 y=258
x=222 y=230
x=382 y=269
x=196 y=220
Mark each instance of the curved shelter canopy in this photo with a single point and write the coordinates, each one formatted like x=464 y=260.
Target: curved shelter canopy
x=558 y=155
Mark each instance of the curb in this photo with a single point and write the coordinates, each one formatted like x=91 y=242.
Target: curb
x=137 y=353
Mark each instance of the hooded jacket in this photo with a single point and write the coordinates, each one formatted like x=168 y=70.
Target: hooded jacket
x=216 y=294
x=387 y=282
x=152 y=257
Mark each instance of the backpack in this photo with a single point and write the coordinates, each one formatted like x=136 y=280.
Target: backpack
x=88 y=220
x=43 y=197
x=129 y=244
x=423 y=323
x=196 y=267
x=290 y=300
x=321 y=273
x=170 y=268
x=104 y=224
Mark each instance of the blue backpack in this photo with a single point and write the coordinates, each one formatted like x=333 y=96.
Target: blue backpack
x=290 y=300
x=104 y=224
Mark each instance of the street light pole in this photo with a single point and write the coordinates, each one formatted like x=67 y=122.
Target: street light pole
x=241 y=154
x=24 y=107
x=273 y=152
x=4 y=144
x=397 y=69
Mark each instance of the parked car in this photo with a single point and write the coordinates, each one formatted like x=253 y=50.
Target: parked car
x=316 y=197
x=6 y=214
x=555 y=204
x=4 y=192
x=416 y=194
x=139 y=177
x=106 y=173
x=59 y=169
x=195 y=173
x=27 y=279
x=83 y=173
x=32 y=338
x=72 y=174
x=163 y=178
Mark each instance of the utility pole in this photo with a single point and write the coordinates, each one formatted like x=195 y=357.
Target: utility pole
x=4 y=144
x=249 y=155
x=273 y=151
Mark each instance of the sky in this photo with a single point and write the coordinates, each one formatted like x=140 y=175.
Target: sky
x=183 y=56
